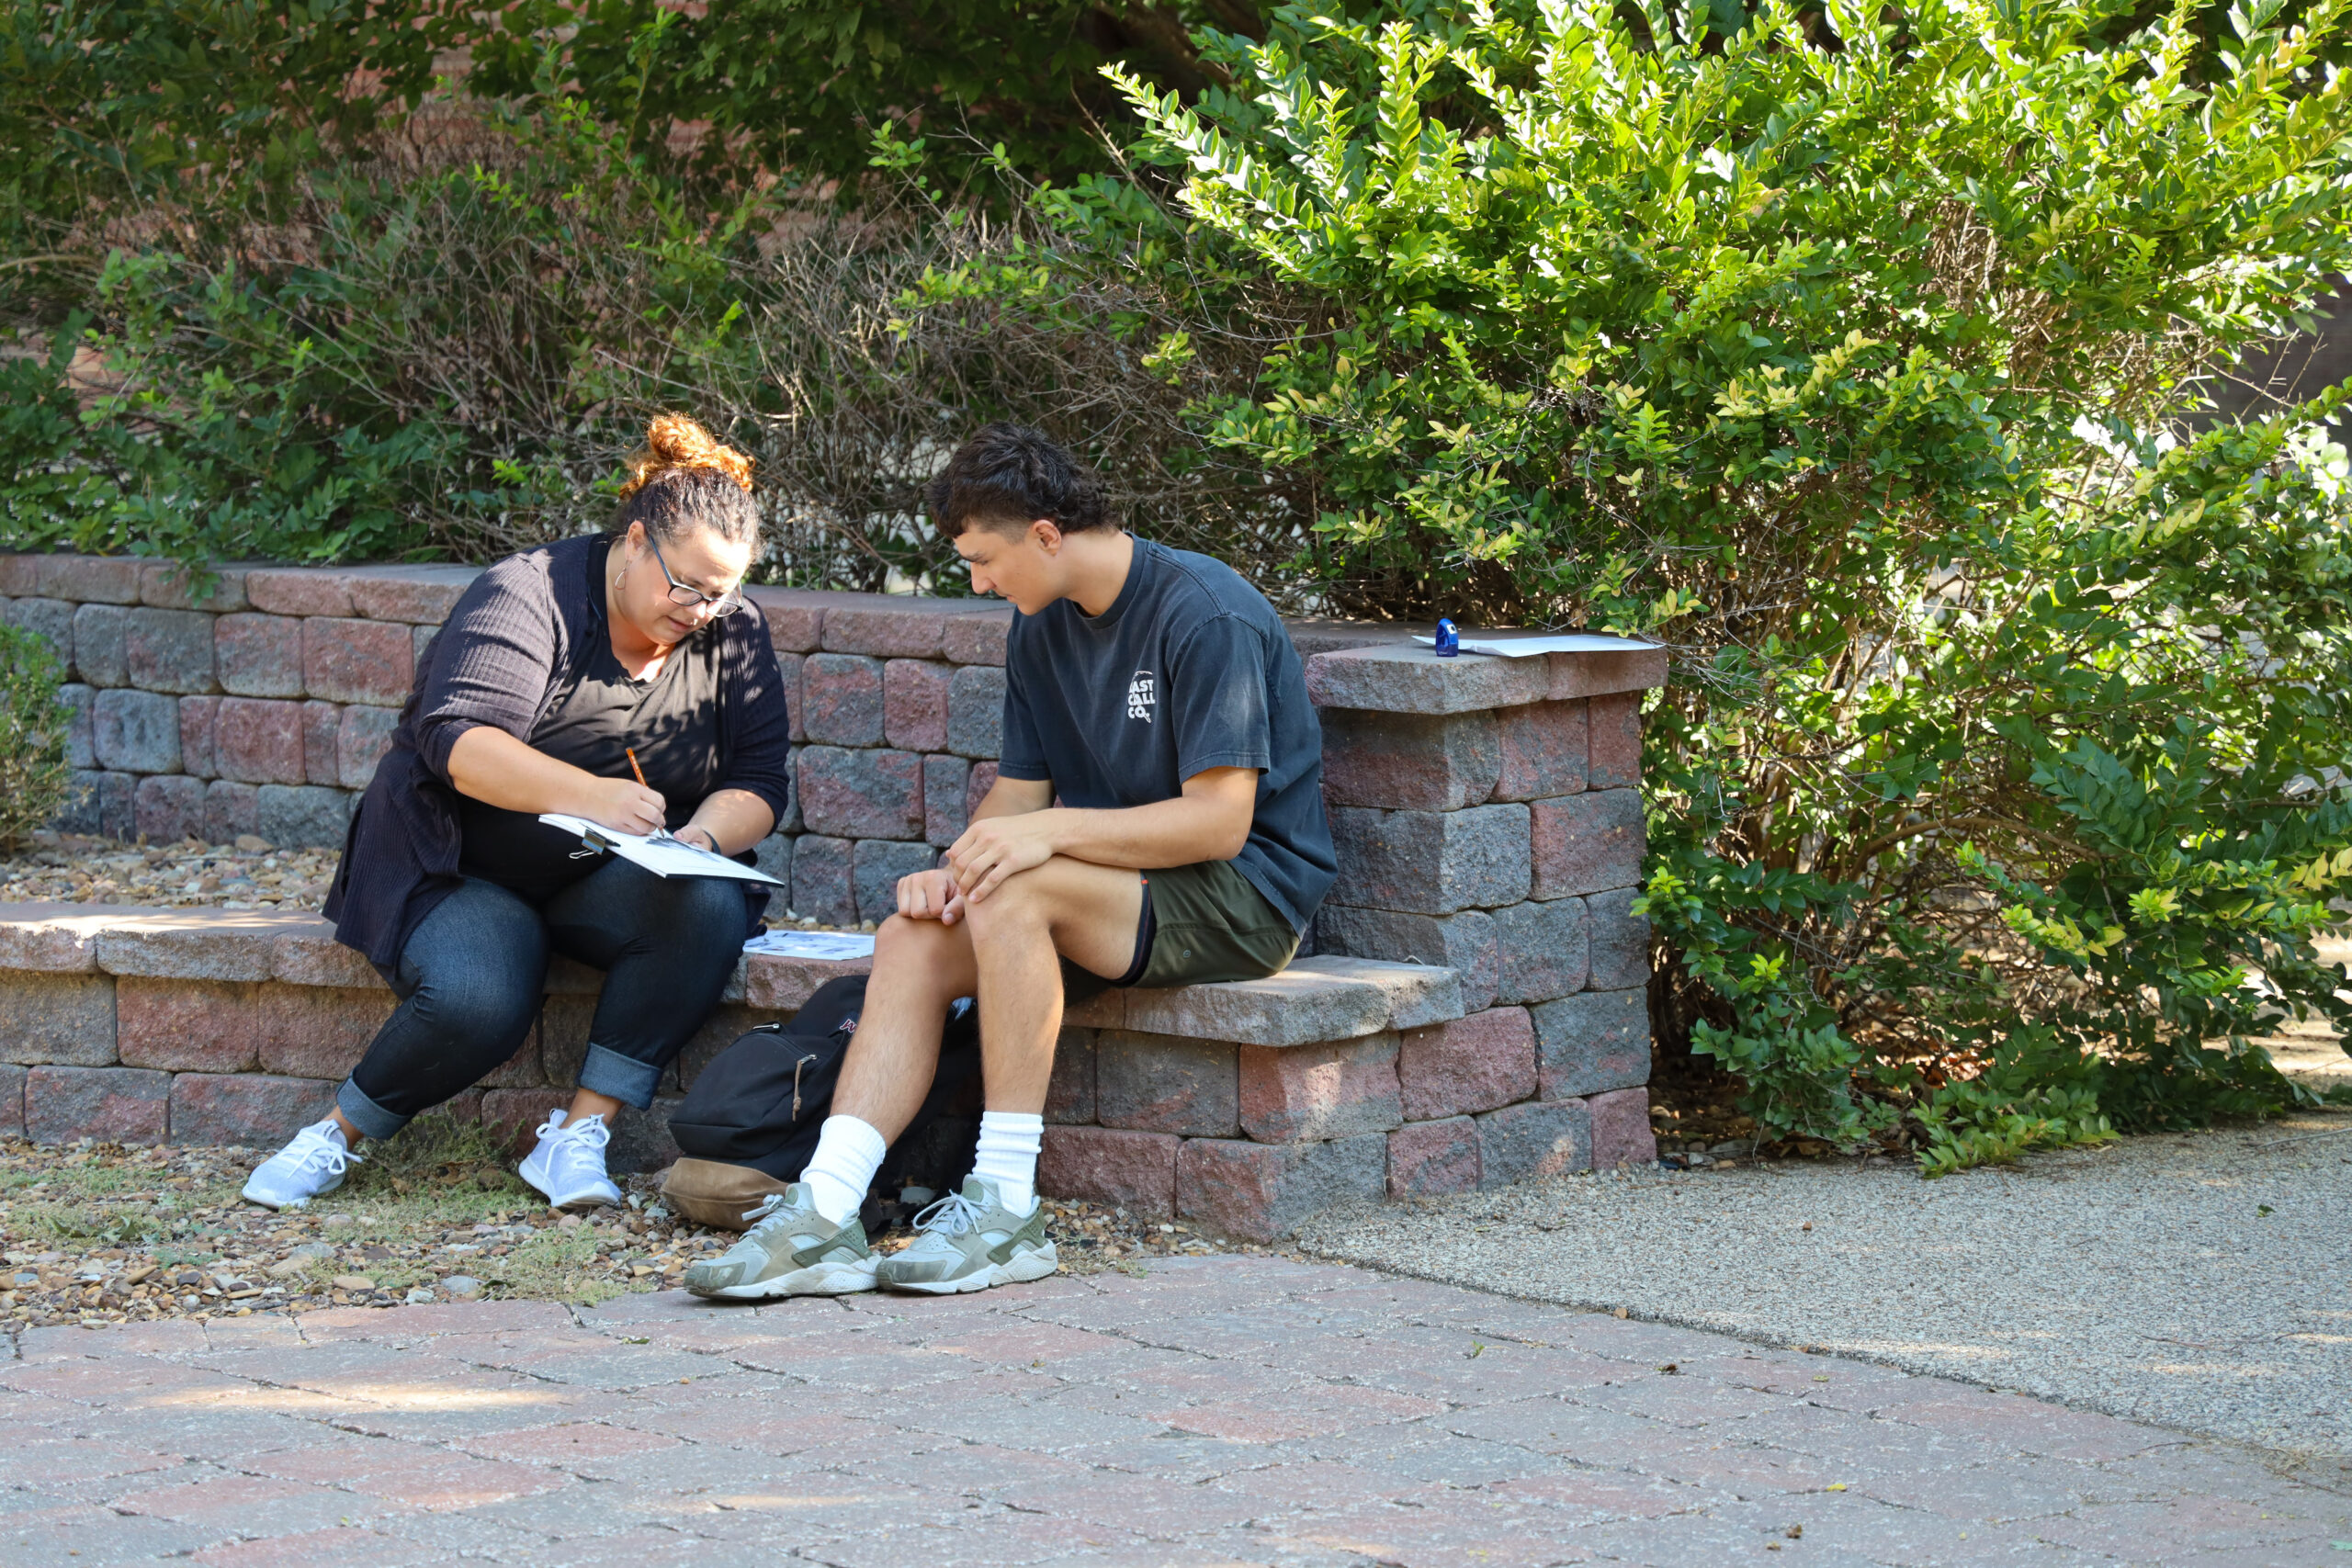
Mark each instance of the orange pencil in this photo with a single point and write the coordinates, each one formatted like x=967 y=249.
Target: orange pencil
x=632 y=752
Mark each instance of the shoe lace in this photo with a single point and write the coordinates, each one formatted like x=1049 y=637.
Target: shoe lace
x=767 y=1209
x=589 y=1130
x=952 y=1216
x=313 y=1150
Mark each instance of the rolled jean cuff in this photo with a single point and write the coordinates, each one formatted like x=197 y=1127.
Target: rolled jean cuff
x=625 y=1079
x=372 y=1120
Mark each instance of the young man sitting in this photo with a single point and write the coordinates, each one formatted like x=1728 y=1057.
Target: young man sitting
x=1157 y=694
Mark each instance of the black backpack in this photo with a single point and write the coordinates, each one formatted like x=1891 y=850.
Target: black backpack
x=761 y=1101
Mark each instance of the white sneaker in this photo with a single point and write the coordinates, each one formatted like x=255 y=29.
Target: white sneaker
x=313 y=1163
x=568 y=1164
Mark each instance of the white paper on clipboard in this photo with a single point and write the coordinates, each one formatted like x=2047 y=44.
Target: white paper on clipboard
x=661 y=854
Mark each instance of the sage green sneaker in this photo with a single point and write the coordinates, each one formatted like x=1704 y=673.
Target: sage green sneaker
x=792 y=1251
x=969 y=1242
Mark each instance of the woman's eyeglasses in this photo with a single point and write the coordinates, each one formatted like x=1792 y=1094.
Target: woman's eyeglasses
x=687 y=594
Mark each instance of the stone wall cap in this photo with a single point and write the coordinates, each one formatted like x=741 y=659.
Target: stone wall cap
x=1316 y=1000
x=1404 y=677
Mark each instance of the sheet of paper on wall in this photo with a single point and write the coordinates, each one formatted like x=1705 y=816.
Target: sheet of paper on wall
x=1508 y=644
x=659 y=854
x=813 y=945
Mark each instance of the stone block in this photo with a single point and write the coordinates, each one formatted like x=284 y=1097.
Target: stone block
x=1311 y=1092
x=84 y=804
x=914 y=703
x=321 y=737
x=199 y=719
x=358 y=662
x=892 y=627
x=258 y=655
x=1544 y=951
x=1135 y=1171
x=1408 y=678
x=81 y=742
x=167 y=807
x=1587 y=843
x=976 y=637
x=1261 y=1191
x=976 y=787
x=197 y=944
x=67 y=1020
x=106 y=580
x=642 y=1139
x=247 y=1109
x=1430 y=1159
x=975 y=711
x=255 y=741
x=1463 y=942
x=117 y=805
x=317 y=1031
x=1416 y=762
x=794 y=668
x=120 y=1105
x=1542 y=1137
x=822 y=888
x=861 y=793
x=168 y=585
x=308 y=954
x=1315 y=999
x=51 y=620
x=422 y=595
x=231 y=810
x=303 y=817
x=1616 y=743
x=136 y=732
x=785 y=984
x=1620 y=1129
x=1069 y=1096
x=876 y=866
x=1580 y=675
x=1479 y=1062
x=53 y=938
x=100 y=653
x=1431 y=862
x=946 y=809
x=1158 y=1083
x=513 y=1114
x=196 y=1026
x=840 y=699
x=1620 y=941
x=170 y=650
x=362 y=737
x=795 y=616
x=1593 y=1041
x=300 y=591
x=420 y=640
x=773 y=854
x=20 y=573
x=1543 y=747
x=12 y=1102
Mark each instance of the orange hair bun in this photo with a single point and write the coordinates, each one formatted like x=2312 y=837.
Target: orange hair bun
x=673 y=443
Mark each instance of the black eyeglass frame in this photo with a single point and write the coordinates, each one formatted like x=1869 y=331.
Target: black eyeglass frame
x=725 y=604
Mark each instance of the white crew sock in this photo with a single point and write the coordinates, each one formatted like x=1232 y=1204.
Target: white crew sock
x=848 y=1153
x=1008 y=1156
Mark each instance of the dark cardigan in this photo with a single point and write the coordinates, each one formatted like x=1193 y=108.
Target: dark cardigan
x=500 y=659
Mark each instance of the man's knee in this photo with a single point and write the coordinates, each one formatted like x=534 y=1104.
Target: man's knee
x=913 y=952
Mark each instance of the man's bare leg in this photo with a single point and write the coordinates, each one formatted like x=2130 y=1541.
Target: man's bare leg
x=1005 y=950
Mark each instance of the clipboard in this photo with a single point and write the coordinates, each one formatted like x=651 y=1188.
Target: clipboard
x=656 y=853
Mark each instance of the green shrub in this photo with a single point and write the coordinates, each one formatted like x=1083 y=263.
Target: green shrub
x=1848 y=355
x=34 y=719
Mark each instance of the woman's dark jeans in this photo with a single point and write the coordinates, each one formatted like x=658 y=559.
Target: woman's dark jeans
x=470 y=977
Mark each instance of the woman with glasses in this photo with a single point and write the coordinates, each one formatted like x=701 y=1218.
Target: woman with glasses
x=561 y=673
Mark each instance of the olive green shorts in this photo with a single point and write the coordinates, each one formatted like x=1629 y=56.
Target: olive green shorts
x=1204 y=922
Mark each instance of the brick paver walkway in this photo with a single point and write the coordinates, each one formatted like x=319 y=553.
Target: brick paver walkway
x=1224 y=1411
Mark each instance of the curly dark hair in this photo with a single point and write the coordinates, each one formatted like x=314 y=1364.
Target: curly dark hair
x=685 y=478
x=1009 y=476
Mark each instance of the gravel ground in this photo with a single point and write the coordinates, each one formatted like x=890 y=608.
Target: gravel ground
x=247 y=875
x=2201 y=1281
x=103 y=1233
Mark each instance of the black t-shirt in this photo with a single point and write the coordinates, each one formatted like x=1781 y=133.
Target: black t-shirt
x=672 y=720
x=1190 y=669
